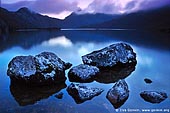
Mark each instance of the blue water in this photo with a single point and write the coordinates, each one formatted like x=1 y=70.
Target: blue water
x=153 y=58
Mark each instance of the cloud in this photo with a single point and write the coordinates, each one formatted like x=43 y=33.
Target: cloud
x=149 y=4
x=123 y=6
x=44 y=6
x=62 y=8
x=15 y=6
x=107 y=6
x=54 y=6
x=131 y=5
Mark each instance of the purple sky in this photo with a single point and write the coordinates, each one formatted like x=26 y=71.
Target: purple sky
x=62 y=8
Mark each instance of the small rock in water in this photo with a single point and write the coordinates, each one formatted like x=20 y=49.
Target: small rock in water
x=149 y=81
x=115 y=54
x=59 y=95
x=83 y=73
x=153 y=96
x=83 y=93
x=118 y=94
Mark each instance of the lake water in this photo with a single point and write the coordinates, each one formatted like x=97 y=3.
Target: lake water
x=153 y=62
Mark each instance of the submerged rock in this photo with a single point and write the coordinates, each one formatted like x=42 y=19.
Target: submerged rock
x=114 y=74
x=83 y=93
x=113 y=55
x=44 y=68
x=148 y=81
x=153 y=96
x=83 y=73
x=118 y=94
x=59 y=95
x=25 y=95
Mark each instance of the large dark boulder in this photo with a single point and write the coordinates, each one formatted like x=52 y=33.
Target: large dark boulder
x=82 y=93
x=117 y=54
x=153 y=96
x=118 y=94
x=25 y=95
x=44 y=68
x=83 y=73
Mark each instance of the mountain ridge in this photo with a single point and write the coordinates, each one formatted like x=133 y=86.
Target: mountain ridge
x=75 y=20
x=26 y=19
x=152 y=19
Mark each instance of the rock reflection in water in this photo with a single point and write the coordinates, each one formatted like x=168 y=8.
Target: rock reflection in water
x=111 y=75
x=26 y=95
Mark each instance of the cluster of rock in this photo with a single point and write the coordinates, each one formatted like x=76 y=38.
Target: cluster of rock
x=44 y=68
x=108 y=65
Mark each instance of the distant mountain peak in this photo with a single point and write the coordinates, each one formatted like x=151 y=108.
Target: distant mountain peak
x=24 y=18
x=25 y=10
x=3 y=9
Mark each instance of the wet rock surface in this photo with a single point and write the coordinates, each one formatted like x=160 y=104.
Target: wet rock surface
x=83 y=73
x=25 y=95
x=153 y=96
x=82 y=93
x=22 y=66
x=148 y=81
x=44 y=68
x=115 y=54
x=118 y=94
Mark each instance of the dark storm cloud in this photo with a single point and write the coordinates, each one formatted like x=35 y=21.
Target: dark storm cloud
x=17 y=5
x=131 y=5
x=96 y=6
x=44 y=6
x=104 y=6
x=124 y=6
x=54 y=6
x=150 y=4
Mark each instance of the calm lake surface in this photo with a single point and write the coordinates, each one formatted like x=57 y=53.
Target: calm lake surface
x=153 y=62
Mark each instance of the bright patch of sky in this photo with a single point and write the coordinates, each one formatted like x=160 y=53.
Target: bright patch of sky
x=61 y=15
